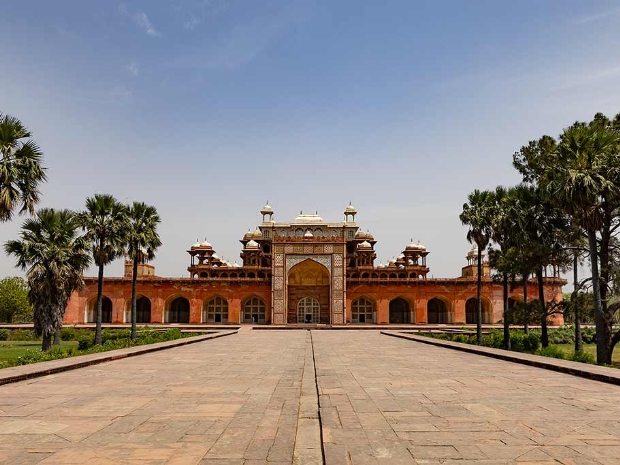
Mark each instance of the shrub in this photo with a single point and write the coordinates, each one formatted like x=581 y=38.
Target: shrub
x=4 y=334
x=86 y=339
x=69 y=334
x=22 y=335
x=551 y=351
x=588 y=335
x=583 y=357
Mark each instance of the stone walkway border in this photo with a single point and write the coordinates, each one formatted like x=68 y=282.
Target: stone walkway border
x=308 y=441
x=36 y=370
x=584 y=370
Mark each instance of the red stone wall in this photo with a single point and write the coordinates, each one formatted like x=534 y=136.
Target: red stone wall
x=161 y=292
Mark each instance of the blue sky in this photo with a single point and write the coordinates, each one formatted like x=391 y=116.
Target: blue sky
x=208 y=108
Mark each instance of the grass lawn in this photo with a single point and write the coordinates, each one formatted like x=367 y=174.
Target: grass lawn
x=590 y=348
x=10 y=350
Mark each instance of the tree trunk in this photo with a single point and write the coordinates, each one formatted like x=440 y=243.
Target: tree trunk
x=601 y=347
x=526 y=311
x=544 y=336
x=603 y=258
x=506 y=316
x=134 y=279
x=479 y=294
x=57 y=337
x=99 y=306
x=47 y=342
x=575 y=304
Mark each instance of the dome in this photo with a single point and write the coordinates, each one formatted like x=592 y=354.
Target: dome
x=392 y=261
x=369 y=236
x=252 y=245
x=205 y=244
x=364 y=245
x=350 y=209
x=308 y=234
x=266 y=209
x=360 y=235
x=412 y=246
x=257 y=234
x=381 y=265
x=401 y=256
x=247 y=235
x=196 y=245
x=308 y=219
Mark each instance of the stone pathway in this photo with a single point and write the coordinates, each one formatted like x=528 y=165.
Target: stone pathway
x=251 y=398
x=392 y=401
x=233 y=400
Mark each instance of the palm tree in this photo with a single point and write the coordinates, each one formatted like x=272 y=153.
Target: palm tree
x=56 y=256
x=477 y=215
x=105 y=223
x=142 y=241
x=585 y=175
x=20 y=168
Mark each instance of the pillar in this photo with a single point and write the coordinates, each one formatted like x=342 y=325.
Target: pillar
x=383 y=311
x=459 y=316
x=195 y=311
x=234 y=311
x=421 y=311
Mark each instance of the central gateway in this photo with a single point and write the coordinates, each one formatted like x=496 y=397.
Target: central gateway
x=308 y=267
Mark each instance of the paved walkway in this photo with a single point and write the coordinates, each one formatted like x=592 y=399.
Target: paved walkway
x=388 y=400
x=248 y=399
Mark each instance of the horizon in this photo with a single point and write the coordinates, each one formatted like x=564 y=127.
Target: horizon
x=206 y=109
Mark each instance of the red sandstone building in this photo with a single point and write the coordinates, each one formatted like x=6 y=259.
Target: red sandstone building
x=307 y=271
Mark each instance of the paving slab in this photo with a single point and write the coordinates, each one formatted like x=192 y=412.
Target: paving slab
x=228 y=400
x=393 y=401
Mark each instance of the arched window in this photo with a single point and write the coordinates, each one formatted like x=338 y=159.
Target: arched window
x=178 y=312
x=363 y=311
x=438 y=312
x=399 y=311
x=215 y=311
x=254 y=311
x=308 y=310
x=143 y=310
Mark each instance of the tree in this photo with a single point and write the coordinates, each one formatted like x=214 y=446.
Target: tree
x=105 y=223
x=21 y=171
x=585 y=181
x=55 y=257
x=14 y=302
x=142 y=241
x=477 y=215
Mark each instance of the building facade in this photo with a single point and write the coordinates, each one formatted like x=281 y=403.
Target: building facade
x=308 y=271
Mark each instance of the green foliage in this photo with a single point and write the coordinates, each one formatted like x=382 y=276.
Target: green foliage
x=551 y=351
x=113 y=339
x=68 y=334
x=14 y=303
x=4 y=334
x=21 y=171
x=583 y=357
x=520 y=342
x=86 y=339
x=22 y=335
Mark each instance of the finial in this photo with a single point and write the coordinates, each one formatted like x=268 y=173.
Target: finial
x=301 y=212
x=316 y=212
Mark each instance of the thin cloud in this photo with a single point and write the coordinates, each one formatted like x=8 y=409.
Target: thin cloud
x=133 y=69
x=597 y=16
x=590 y=78
x=191 y=23
x=143 y=22
x=140 y=19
